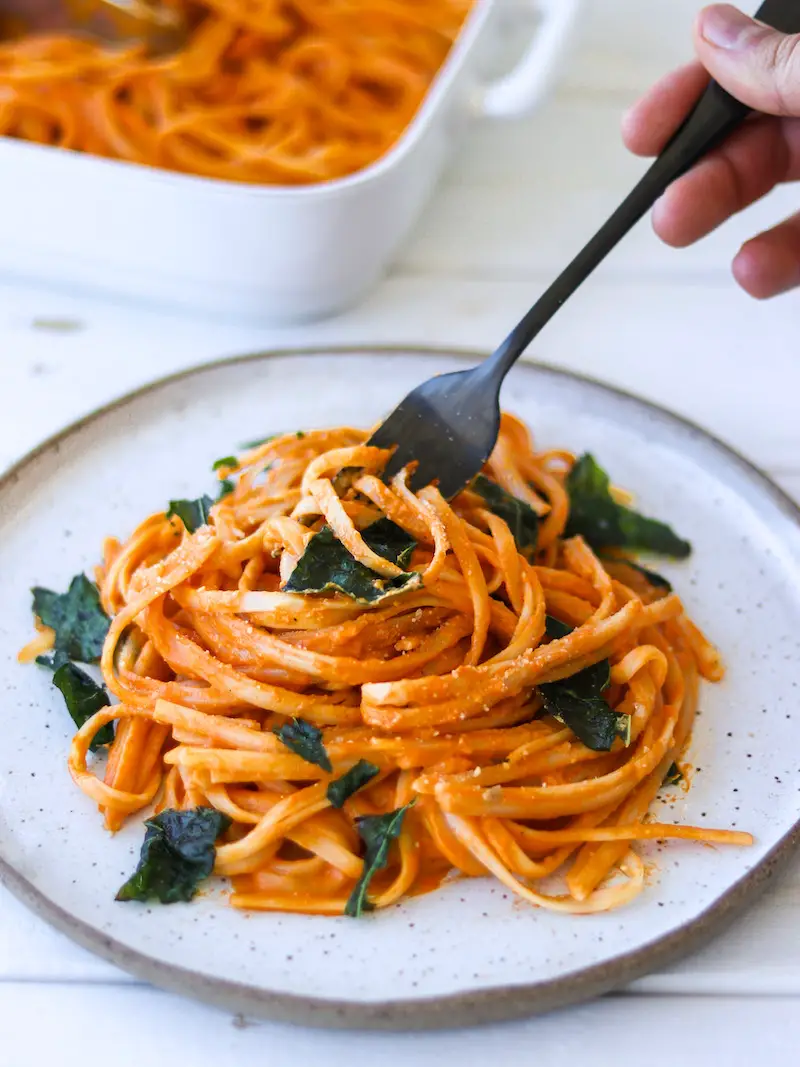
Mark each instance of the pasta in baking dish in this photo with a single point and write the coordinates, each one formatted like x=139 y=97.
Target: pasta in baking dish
x=283 y=92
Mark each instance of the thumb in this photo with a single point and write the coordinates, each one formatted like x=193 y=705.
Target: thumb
x=756 y=64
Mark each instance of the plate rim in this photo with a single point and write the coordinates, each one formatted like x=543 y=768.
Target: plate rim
x=465 y=1009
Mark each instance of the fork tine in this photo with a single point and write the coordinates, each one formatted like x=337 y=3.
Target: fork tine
x=447 y=426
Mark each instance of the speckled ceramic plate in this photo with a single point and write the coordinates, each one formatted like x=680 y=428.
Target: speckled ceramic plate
x=468 y=953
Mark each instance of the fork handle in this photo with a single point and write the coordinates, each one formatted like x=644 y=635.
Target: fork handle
x=715 y=116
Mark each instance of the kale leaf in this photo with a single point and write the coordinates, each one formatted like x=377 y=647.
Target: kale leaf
x=604 y=523
x=226 y=461
x=78 y=619
x=578 y=701
x=555 y=628
x=54 y=661
x=342 y=788
x=177 y=854
x=673 y=775
x=305 y=740
x=83 y=697
x=377 y=832
x=192 y=513
x=658 y=581
x=522 y=520
x=327 y=566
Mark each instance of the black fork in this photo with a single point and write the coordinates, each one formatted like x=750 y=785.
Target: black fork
x=448 y=425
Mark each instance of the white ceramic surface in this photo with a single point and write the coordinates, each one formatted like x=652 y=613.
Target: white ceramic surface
x=469 y=951
x=261 y=253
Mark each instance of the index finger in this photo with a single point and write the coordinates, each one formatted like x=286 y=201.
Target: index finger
x=650 y=123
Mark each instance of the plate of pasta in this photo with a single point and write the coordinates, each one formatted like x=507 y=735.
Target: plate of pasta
x=307 y=744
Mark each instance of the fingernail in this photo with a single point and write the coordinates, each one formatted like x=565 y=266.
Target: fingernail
x=726 y=27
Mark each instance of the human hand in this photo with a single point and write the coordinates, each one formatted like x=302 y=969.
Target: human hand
x=760 y=67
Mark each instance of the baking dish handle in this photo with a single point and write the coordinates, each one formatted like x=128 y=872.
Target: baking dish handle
x=523 y=87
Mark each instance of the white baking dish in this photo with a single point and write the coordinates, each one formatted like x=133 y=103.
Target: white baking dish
x=270 y=254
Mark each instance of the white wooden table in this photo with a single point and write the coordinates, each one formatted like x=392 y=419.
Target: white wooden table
x=668 y=325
